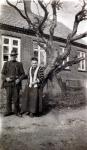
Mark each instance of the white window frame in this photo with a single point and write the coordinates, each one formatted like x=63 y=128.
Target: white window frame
x=82 y=54
x=39 y=50
x=67 y=59
x=10 y=45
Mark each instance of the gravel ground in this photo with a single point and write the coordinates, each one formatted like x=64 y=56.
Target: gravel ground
x=64 y=129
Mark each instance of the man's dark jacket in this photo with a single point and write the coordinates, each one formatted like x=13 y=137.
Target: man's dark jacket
x=13 y=70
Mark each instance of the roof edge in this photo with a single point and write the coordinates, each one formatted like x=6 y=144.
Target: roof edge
x=31 y=32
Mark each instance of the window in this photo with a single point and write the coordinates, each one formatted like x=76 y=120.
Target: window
x=62 y=50
x=82 y=64
x=9 y=43
x=39 y=53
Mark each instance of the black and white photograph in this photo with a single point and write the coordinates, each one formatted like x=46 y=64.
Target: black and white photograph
x=43 y=74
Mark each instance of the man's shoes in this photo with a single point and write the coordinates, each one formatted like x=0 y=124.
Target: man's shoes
x=37 y=115
x=31 y=115
x=28 y=113
x=19 y=114
x=8 y=114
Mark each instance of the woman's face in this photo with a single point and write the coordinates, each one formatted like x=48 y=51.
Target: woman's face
x=13 y=57
x=34 y=63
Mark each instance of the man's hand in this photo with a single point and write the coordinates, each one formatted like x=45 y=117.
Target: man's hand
x=35 y=82
x=17 y=81
x=32 y=83
x=8 y=79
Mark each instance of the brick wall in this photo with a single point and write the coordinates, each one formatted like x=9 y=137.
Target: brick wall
x=26 y=52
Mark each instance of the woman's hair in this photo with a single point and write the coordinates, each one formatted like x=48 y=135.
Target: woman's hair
x=34 y=58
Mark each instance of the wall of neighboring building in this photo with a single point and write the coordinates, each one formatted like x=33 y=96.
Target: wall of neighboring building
x=27 y=52
x=74 y=73
x=72 y=83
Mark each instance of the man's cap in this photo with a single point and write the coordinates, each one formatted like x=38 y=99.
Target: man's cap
x=14 y=52
x=34 y=58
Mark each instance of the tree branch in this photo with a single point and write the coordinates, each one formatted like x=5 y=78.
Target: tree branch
x=27 y=17
x=41 y=42
x=79 y=37
x=80 y=16
x=69 y=63
x=19 y=11
x=54 y=21
x=40 y=27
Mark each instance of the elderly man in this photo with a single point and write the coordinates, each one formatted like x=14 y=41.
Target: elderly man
x=12 y=75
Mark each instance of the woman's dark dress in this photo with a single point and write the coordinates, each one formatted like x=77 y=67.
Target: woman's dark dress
x=32 y=96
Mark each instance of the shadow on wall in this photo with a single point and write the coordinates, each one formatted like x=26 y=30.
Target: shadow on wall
x=65 y=94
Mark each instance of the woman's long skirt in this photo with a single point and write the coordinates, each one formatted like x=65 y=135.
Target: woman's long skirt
x=32 y=100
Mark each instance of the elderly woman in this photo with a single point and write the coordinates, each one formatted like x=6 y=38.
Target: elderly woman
x=32 y=98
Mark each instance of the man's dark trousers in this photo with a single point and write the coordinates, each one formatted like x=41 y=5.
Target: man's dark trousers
x=12 y=93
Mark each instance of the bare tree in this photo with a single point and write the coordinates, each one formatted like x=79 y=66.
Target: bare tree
x=55 y=60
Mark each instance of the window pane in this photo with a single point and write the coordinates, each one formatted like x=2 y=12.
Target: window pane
x=15 y=42
x=5 y=49
x=83 y=65
x=35 y=45
x=79 y=65
x=5 y=57
x=83 y=54
x=6 y=41
x=16 y=49
x=10 y=43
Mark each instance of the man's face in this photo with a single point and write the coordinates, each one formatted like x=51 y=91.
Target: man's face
x=13 y=57
x=34 y=63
